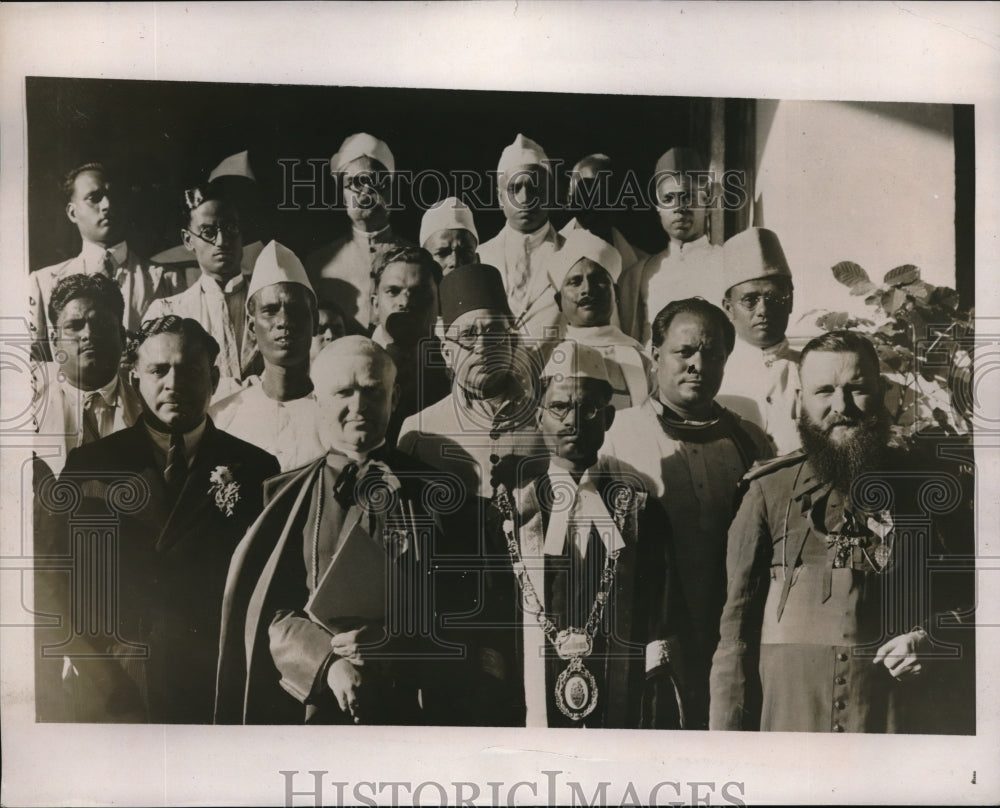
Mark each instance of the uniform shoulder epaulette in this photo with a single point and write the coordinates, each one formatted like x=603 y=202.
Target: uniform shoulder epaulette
x=766 y=467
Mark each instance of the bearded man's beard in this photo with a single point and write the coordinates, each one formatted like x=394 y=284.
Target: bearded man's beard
x=841 y=463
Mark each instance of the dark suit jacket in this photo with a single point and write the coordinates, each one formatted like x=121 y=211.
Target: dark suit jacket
x=168 y=566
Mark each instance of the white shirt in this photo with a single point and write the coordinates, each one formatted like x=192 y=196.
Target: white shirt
x=630 y=371
x=761 y=385
x=682 y=270
x=223 y=313
x=290 y=430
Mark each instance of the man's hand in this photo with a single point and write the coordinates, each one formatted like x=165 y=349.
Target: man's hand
x=344 y=679
x=345 y=645
x=900 y=654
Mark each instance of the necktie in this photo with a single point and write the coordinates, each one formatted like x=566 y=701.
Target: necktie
x=110 y=267
x=176 y=469
x=520 y=275
x=91 y=429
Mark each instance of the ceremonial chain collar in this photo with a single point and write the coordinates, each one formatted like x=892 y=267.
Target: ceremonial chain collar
x=576 y=689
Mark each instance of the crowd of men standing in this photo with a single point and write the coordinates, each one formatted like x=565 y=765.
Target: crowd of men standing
x=543 y=479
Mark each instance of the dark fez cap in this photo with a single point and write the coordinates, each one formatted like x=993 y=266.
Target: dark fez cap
x=474 y=286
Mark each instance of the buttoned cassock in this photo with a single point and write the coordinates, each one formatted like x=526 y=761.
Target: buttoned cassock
x=761 y=386
x=342 y=270
x=536 y=315
x=799 y=636
x=693 y=472
x=682 y=270
x=289 y=430
x=141 y=283
x=464 y=437
x=633 y=664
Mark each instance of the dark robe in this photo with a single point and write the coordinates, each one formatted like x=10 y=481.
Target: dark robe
x=412 y=667
x=636 y=661
x=136 y=573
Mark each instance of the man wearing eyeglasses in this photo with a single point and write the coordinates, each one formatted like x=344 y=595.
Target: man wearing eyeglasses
x=690 y=453
x=342 y=270
x=595 y=552
x=490 y=412
x=524 y=248
x=690 y=265
x=762 y=379
x=92 y=205
x=211 y=230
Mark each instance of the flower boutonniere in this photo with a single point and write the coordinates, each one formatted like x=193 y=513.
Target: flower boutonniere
x=225 y=489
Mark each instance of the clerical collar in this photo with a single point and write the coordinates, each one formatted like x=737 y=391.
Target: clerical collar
x=674 y=418
x=93 y=254
x=109 y=392
x=192 y=439
x=366 y=235
x=360 y=458
x=534 y=239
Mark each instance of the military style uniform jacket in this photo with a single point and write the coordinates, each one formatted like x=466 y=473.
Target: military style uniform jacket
x=816 y=586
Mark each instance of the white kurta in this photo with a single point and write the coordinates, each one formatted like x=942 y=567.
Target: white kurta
x=760 y=385
x=536 y=312
x=222 y=313
x=287 y=429
x=680 y=271
x=631 y=372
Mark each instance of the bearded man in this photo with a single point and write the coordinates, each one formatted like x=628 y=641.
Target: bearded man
x=833 y=620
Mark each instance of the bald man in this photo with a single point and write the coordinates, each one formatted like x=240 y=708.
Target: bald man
x=324 y=640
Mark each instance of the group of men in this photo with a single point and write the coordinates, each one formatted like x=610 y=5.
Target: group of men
x=470 y=483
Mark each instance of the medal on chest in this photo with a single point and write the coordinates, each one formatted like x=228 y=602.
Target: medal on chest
x=576 y=689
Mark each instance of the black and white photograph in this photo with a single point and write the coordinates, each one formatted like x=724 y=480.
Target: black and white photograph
x=366 y=432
